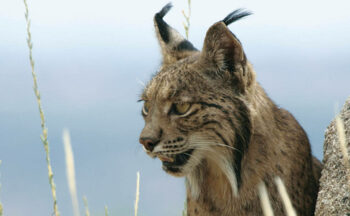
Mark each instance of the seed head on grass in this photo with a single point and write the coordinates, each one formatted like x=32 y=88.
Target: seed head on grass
x=187 y=16
x=87 y=212
x=71 y=171
x=42 y=117
x=106 y=210
x=137 y=192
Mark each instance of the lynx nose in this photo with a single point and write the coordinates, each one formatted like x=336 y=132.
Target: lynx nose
x=149 y=143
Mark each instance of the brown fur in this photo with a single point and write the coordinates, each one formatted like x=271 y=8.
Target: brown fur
x=238 y=135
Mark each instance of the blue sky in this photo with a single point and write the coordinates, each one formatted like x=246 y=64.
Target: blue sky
x=90 y=58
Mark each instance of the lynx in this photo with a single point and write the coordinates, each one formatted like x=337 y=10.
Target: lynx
x=208 y=120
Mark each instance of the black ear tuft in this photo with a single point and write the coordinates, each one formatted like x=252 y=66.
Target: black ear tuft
x=173 y=45
x=236 y=15
x=163 y=26
x=164 y=10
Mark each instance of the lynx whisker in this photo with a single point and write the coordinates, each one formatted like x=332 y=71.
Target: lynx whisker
x=215 y=144
x=194 y=157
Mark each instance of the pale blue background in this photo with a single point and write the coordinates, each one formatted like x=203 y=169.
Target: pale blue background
x=92 y=55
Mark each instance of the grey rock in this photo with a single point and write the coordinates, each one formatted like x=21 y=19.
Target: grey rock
x=334 y=194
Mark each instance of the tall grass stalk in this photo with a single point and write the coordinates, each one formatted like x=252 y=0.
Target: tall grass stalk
x=106 y=210
x=187 y=16
x=0 y=191
x=137 y=192
x=264 y=200
x=285 y=198
x=184 y=211
x=71 y=171
x=87 y=212
x=42 y=117
x=342 y=142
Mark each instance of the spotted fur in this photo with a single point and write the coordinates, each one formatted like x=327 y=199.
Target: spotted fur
x=232 y=137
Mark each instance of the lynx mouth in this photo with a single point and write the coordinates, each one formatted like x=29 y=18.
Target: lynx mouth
x=178 y=161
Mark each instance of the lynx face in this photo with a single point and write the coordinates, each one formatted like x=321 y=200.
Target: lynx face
x=187 y=119
x=193 y=107
x=181 y=121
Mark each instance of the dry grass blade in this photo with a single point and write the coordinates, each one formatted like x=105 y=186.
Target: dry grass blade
x=342 y=142
x=106 y=210
x=285 y=198
x=187 y=18
x=0 y=190
x=264 y=200
x=87 y=212
x=137 y=192
x=184 y=211
x=42 y=117
x=71 y=171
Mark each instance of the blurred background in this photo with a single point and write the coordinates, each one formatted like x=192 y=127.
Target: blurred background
x=91 y=57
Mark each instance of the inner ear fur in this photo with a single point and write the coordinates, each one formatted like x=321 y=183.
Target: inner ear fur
x=221 y=48
x=223 y=54
x=173 y=45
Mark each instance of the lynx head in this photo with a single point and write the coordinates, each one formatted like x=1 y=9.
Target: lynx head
x=194 y=107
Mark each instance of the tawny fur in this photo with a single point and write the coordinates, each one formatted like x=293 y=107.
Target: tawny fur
x=239 y=137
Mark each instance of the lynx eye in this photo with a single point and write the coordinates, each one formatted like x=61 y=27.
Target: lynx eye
x=181 y=108
x=145 y=108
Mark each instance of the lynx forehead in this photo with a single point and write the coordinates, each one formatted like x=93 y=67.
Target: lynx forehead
x=207 y=119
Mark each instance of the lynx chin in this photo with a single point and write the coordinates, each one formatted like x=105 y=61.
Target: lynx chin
x=208 y=120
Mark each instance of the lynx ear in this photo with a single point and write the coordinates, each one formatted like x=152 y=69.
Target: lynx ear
x=222 y=51
x=174 y=47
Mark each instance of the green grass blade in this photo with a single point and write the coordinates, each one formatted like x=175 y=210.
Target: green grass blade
x=42 y=117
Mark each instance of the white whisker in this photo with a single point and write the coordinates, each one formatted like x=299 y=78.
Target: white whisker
x=192 y=156
x=215 y=144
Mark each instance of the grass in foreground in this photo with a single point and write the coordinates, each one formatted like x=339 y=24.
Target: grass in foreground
x=70 y=170
x=42 y=117
x=265 y=201
x=106 y=210
x=0 y=190
x=137 y=192
x=187 y=16
x=87 y=211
